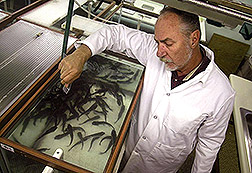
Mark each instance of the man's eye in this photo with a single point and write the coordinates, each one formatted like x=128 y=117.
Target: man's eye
x=168 y=44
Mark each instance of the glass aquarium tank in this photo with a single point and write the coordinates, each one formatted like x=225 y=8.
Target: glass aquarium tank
x=88 y=124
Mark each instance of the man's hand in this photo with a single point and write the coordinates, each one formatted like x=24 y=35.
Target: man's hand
x=72 y=65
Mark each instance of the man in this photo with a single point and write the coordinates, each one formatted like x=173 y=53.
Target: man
x=186 y=100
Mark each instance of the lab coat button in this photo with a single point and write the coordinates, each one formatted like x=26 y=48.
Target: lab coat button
x=144 y=137
x=155 y=117
x=168 y=94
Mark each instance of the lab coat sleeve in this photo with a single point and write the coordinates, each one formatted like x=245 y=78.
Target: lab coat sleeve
x=119 y=38
x=210 y=137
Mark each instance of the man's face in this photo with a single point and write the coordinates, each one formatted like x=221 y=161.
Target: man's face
x=173 y=47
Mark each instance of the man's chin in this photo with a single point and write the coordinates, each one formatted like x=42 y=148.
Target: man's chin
x=170 y=68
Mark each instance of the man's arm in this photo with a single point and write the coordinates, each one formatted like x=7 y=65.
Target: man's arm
x=118 y=38
x=210 y=137
x=72 y=65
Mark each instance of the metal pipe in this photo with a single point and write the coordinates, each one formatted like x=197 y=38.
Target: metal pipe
x=106 y=10
x=67 y=28
x=219 y=9
x=139 y=21
x=114 y=11
x=120 y=15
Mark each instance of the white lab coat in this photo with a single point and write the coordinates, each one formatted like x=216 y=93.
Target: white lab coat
x=168 y=123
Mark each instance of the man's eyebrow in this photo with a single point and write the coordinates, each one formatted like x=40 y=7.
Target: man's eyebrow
x=165 y=40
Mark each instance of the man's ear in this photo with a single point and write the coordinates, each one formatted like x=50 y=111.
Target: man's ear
x=195 y=38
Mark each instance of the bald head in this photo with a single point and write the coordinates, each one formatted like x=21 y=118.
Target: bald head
x=188 y=22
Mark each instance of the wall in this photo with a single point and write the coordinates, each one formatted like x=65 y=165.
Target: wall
x=227 y=32
x=245 y=69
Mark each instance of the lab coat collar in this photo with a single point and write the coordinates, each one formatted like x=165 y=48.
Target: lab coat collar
x=203 y=77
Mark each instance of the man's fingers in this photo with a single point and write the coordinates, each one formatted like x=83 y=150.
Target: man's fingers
x=64 y=73
x=65 y=70
x=62 y=64
x=68 y=78
x=69 y=70
x=65 y=78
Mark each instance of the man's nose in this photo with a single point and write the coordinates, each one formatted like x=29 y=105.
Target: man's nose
x=161 y=50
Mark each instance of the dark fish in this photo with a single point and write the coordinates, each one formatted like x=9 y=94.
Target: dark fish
x=94 y=135
x=126 y=81
x=25 y=124
x=79 y=134
x=43 y=149
x=52 y=129
x=70 y=130
x=95 y=138
x=90 y=119
x=60 y=136
x=119 y=99
x=86 y=99
x=106 y=76
x=120 y=113
x=81 y=110
x=97 y=123
x=106 y=137
x=130 y=80
x=50 y=120
x=101 y=112
x=128 y=73
x=74 y=113
x=123 y=69
x=111 y=142
x=91 y=108
x=42 y=114
x=136 y=74
x=100 y=92
x=64 y=120
x=78 y=128
x=81 y=141
x=102 y=103
x=116 y=77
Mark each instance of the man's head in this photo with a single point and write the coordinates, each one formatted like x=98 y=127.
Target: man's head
x=177 y=34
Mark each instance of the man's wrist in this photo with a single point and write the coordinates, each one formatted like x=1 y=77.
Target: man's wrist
x=83 y=53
